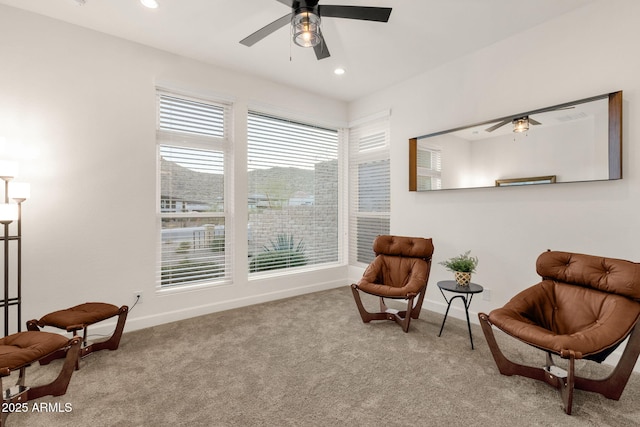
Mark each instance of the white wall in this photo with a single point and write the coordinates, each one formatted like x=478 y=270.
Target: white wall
x=77 y=108
x=581 y=54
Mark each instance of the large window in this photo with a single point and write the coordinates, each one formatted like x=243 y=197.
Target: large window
x=293 y=197
x=369 y=187
x=193 y=142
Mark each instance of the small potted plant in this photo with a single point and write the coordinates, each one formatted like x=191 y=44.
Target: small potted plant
x=462 y=266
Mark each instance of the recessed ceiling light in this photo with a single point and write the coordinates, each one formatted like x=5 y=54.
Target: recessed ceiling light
x=151 y=4
x=339 y=71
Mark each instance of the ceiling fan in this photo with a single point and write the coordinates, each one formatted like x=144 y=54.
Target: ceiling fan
x=305 y=22
x=521 y=124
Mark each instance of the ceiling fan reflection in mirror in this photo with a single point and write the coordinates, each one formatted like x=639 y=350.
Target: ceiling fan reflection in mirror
x=305 y=17
x=521 y=124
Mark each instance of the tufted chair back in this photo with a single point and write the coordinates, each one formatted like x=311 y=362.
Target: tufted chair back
x=615 y=276
x=412 y=247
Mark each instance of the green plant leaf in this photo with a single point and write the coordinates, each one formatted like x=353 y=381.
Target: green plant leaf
x=464 y=263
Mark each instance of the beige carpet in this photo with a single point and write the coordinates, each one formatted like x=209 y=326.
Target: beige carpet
x=310 y=361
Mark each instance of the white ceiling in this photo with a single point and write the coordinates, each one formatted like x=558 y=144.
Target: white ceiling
x=420 y=35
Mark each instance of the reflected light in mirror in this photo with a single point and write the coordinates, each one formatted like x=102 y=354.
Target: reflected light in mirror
x=521 y=125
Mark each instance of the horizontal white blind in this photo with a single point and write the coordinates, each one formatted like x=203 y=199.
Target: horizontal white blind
x=189 y=116
x=373 y=141
x=369 y=188
x=193 y=251
x=293 y=193
x=277 y=142
x=195 y=238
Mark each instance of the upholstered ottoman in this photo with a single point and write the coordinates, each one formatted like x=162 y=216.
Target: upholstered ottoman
x=20 y=350
x=80 y=317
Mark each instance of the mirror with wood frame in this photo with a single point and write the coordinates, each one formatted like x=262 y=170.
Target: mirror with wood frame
x=571 y=142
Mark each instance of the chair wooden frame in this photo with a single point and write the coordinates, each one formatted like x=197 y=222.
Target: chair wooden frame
x=110 y=343
x=21 y=393
x=402 y=318
x=565 y=382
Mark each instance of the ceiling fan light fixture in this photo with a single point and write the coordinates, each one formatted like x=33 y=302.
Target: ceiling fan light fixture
x=306 y=29
x=521 y=124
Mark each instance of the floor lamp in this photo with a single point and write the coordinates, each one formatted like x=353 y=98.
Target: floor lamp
x=9 y=213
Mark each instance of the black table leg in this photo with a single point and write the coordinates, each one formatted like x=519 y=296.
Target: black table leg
x=466 y=303
x=445 y=315
x=466 y=311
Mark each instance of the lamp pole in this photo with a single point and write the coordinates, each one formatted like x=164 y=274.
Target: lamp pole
x=5 y=236
x=10 y=212
x=19 y=263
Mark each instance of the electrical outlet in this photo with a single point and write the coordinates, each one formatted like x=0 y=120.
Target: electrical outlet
x=137 y=297
x=486 y=294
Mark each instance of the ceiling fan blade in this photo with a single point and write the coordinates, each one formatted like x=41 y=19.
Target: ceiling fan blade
x=534 y=122
x=266 y=30
x=366 y=13
x=286 y=2
x=546 y=110
x=497 y=126
x=321 y=49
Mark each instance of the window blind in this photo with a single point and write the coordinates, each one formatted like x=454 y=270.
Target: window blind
x=369 y=188
x=184 y=115
x=195 y=237
x=293 y=193
x=429 y=168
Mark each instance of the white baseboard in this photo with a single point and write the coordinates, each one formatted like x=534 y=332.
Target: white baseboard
x=135 y=323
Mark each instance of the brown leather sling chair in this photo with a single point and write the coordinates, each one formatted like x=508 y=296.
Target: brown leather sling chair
x=584 y=307
x=400 y=270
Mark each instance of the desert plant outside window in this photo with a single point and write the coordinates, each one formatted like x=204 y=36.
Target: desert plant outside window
x=193 y=219
x=293 y=181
